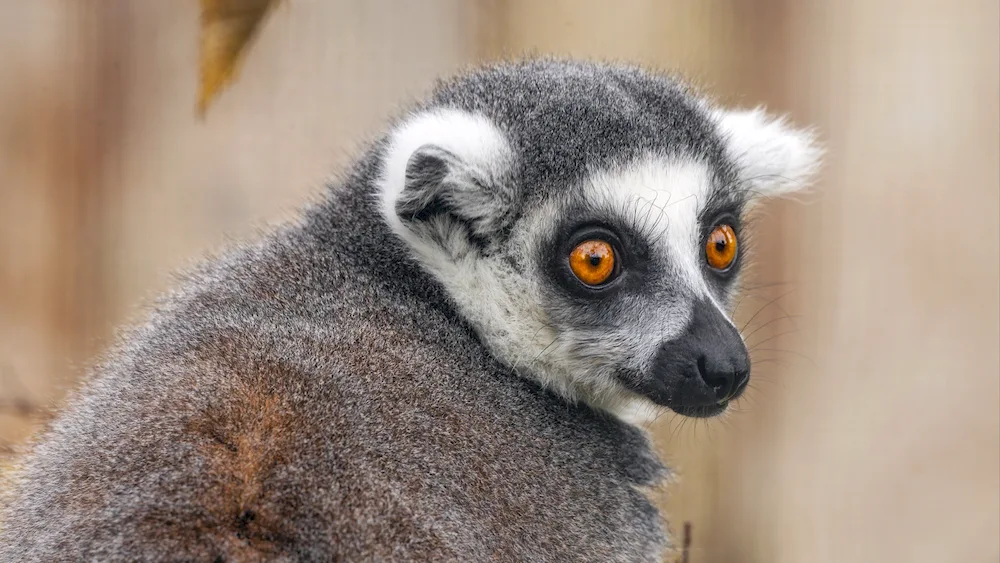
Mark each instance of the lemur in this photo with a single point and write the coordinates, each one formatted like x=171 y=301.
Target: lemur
x=447 y=358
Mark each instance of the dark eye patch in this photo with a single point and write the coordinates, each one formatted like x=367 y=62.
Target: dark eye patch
x=632 y=251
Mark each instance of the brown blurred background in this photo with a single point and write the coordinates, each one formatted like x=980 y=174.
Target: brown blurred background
x=873 y=431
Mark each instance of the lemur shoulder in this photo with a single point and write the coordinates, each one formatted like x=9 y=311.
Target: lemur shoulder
x=445 y=358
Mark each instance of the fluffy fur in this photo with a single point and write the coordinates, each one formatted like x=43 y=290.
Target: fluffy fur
x=404 y=374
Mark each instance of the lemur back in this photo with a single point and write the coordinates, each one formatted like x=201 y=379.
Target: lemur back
x=364 y=384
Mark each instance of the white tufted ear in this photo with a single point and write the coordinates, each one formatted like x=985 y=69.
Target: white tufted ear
x=773 y=157
x=445 y=161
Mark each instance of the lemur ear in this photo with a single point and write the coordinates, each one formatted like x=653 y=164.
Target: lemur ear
x=436 y=181
x=446 y=163
x=430 y=174
x=773 y=157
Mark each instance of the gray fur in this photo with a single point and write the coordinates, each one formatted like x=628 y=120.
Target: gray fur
x=323 y=395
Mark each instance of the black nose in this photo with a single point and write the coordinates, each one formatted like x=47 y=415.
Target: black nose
x=701 y=369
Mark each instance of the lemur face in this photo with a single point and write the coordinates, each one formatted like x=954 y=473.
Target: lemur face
x=588 y=220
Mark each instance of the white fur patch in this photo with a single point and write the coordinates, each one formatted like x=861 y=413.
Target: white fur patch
x=472 y=138
x=774 y=158
x=499 y=302
x=664 y=197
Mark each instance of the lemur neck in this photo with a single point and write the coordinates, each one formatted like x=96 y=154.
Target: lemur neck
x=349 y=228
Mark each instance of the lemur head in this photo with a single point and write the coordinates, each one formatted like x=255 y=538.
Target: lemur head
x=587 y=221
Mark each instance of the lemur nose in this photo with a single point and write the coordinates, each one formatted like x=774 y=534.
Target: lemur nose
x=703 y=367
x=721 y=377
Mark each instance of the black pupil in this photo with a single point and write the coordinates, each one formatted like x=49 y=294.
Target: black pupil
x=720 y=245
x=595 y=259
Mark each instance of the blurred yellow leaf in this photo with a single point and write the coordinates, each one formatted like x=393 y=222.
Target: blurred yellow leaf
x=227 y=28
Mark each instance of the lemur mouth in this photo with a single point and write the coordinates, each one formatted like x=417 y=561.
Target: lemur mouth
x=702 y=411
x=713 y=409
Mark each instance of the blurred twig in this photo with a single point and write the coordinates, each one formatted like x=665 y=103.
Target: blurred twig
x=227 y=28
x=686 y=545
x=15 y=403
x=19 y=407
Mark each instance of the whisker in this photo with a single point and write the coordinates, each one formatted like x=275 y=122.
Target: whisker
x=768 y=304
x=765 y=285
x=791 y=318
x=774 y=320
x=522 y=355
x=780 y=334
x=793 y=352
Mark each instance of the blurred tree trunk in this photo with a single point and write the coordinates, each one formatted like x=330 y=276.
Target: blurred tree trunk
x=60 y=127
x=891 y=450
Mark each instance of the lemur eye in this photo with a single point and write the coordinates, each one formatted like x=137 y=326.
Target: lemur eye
x=593 y=262
x=720 y=247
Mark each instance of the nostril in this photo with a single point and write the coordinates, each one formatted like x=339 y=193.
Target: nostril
x=720 y=386
x=720 y=381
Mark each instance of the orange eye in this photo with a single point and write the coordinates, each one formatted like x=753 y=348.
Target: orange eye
x=593 y=261
x=720 y=248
